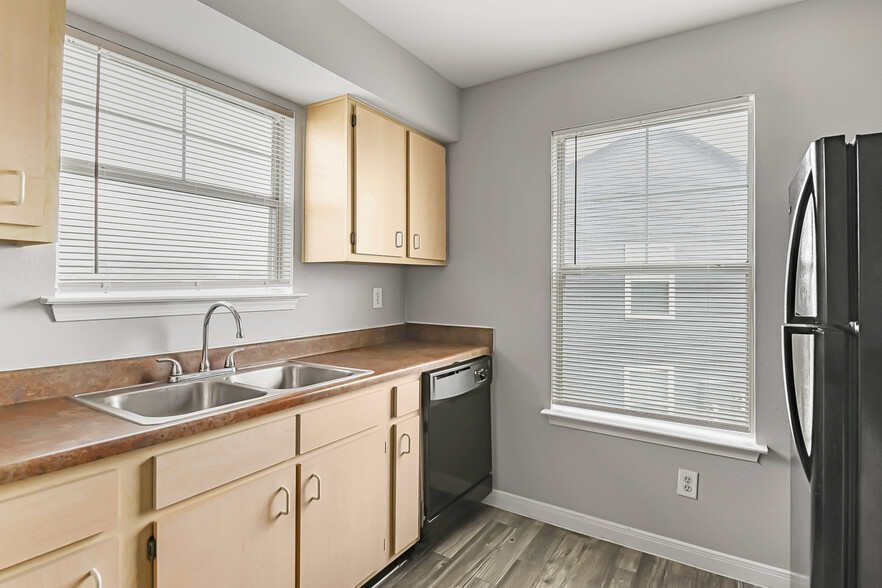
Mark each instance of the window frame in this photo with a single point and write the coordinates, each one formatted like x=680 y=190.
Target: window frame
x=92 y=299
x=733 y=444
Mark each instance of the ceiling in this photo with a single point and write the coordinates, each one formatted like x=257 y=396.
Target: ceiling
x=471 y=42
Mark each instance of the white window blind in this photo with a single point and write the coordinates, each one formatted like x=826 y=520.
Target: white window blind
x=652 y=267
x=167 y=184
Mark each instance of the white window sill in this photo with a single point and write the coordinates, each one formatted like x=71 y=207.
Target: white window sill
x=84 y=307
x=715 y=442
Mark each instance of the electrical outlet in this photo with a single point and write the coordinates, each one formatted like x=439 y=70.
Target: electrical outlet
x=687 y=484
x=378 y=298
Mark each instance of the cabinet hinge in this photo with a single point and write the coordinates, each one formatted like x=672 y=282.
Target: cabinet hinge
x=151 y=548
x=352 y=238
x=353 y=120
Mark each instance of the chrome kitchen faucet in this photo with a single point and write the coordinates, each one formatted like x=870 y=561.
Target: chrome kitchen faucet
x=205 y=371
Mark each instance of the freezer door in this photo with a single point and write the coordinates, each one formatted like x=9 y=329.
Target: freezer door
x=799 y=381
x=819 y=382
x=820 y=257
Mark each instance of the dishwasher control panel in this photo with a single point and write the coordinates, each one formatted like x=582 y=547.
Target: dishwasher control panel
x=460 y=378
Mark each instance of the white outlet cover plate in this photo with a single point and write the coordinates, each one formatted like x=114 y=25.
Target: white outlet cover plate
x=687 y=483
x=378 y=298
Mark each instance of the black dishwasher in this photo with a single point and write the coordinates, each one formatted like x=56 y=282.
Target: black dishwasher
x=456 y=443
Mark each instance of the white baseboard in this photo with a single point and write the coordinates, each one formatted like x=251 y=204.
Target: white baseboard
x=700 y=557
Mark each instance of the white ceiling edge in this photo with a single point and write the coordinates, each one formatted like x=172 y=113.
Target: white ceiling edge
x=196 y=37
x=472 y=43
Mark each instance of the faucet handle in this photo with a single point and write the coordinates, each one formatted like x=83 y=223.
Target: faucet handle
x=231 y=362
x=176 y=366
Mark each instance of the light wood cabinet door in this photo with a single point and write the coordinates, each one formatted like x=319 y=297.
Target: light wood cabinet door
x=344 y=506
x=380 y=185
x=426 y=199
x=406 y=484
x=91 y=566
x=31 y=46
x=244 y=536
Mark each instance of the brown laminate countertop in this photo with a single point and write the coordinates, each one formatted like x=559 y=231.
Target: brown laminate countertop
x=44 y=436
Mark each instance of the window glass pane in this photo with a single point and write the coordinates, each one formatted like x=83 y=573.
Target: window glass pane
x=652 y=268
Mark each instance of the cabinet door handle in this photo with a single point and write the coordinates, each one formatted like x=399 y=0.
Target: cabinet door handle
x=287 y=510
x=318 y=491
x=416 y=240
x=96 y=575
x=399 y=239
x=405 y=435
x=22 y=181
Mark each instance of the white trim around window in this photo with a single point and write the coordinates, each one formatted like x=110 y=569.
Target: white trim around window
x=741 y=446
x=139 y=305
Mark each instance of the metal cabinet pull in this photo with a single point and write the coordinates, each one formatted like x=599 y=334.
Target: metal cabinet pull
x=318 y=493
x=22 y=181
x=408 y=443
x=96 y=575
x=416 y=240
x=287 y=510
x=399 y=239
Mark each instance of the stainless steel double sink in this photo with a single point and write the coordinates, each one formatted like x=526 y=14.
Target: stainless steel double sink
x=160 y=403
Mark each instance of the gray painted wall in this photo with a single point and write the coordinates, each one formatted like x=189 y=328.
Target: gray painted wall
x=813 y=68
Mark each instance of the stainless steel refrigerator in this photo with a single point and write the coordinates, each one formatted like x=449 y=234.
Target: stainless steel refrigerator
x=832 y=348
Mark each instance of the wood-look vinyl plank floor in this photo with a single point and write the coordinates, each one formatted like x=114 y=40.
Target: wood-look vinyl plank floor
x=499 y=549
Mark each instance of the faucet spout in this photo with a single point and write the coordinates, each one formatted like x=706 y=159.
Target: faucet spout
x=203 y=366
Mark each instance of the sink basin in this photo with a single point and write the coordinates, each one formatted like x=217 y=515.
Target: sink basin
x=295 y=375
x=153 y=404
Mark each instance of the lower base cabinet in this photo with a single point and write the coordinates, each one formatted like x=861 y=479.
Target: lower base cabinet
x=322 y=497
x=244 y=536
x=406 y=483
x=343 y=512
x=96 y=565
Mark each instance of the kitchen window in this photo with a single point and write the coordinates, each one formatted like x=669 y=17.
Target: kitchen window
x=652 y=278
x=172 y=189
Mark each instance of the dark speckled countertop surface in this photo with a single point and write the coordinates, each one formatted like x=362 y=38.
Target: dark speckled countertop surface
x=43 y=436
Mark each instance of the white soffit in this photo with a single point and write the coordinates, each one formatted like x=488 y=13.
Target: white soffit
x=471 y=42
x=200 y=34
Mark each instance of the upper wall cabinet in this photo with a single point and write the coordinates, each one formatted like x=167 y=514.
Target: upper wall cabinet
x=31 y=46
x=375 y=190
x=427 y=199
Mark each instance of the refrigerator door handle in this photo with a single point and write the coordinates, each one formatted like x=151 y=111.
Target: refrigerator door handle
x=796 y=228
x=787 y=332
